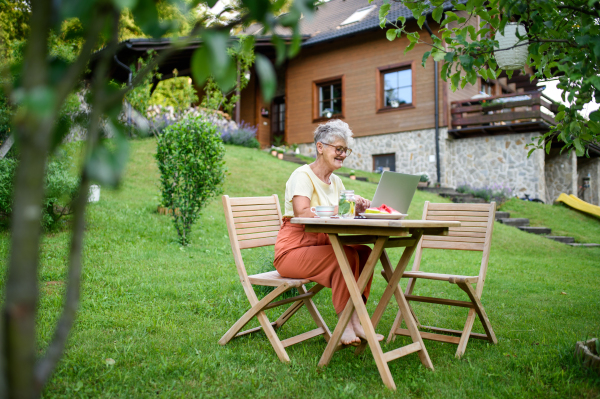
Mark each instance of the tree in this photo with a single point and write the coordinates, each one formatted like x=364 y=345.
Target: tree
x=39 y=96
x=564 y=45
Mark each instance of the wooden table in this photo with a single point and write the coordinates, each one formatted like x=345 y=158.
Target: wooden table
x=383 y=234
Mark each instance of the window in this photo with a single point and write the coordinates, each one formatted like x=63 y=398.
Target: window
x=328 y=99
x=384 y=162
x=358 y=15
x=396 y=87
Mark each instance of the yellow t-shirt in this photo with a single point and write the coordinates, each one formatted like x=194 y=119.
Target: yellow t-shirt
x=304 y=182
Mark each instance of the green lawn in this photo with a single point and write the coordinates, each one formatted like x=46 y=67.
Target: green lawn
x=158 y=309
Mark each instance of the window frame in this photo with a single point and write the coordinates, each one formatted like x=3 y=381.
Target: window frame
x=315 y=88
x=374 y=156
x=381 y=71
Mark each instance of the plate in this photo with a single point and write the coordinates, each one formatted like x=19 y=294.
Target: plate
x=394 y=216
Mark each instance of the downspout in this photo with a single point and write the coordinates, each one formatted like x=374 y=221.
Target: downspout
x=437 y=111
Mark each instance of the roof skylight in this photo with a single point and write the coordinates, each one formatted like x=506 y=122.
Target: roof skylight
x=358 y=15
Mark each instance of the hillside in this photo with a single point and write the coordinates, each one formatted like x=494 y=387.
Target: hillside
x=158 y=309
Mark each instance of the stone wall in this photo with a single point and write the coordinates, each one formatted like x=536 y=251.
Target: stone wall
x=590 y=166
x=496 y=160
x=561 y=174
x=413 y=151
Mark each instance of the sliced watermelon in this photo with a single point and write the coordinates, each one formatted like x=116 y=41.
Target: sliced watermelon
x=387 y=209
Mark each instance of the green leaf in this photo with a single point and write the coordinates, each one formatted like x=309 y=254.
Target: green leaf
x=449 y=56
x=384 y=10
x=595 y=116
x=409 y=47
x=145 y=15
x=199 y=64
x=425 y=56
x=454 y=81
x=280 y=49
x=402 y=19
x=421 y=20
x=578 y=147
x=438 y=55
x=560 y=116
x=437 y=13
x=390 y=34
x=266 y=73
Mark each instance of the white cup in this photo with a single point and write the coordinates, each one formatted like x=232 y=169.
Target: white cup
x=323 y=211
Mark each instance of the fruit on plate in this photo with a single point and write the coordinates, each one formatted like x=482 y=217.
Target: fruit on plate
x=383 y=209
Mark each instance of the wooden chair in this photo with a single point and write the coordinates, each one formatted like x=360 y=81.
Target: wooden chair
x=255 y=222
x=475 y=234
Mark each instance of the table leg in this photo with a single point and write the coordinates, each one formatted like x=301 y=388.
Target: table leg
x=394 y=289
x=347 y=312
x=361 y=309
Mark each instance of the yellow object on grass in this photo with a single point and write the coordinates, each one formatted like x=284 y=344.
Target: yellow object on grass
x=579 y=204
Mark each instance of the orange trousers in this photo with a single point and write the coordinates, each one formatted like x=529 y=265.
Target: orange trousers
x=310 y=255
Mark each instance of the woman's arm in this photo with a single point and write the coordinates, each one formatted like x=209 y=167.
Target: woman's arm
x=302 y=207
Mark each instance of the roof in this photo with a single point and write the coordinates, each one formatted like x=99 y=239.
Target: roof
x=325 y=24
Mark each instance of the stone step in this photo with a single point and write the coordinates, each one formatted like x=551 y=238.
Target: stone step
x=587 y=245
x=293 y=158
x=563 y=239
x=535 y=230
x=516 y=222
x=502 y=215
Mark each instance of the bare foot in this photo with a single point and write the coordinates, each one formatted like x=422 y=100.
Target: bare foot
x=358 y=329
x=349 y=336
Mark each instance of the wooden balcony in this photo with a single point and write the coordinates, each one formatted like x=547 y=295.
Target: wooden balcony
x=509 y=113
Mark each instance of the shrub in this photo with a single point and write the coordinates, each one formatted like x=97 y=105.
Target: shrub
x=190 y=159
x=60 y=189
x=243 y=135
x=495 y=192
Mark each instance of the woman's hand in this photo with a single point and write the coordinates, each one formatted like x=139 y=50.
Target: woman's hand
x=361 y=204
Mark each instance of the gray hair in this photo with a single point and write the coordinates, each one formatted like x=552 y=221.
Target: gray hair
x=335 y=128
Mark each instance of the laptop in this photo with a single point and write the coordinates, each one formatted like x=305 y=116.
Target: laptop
x=395 y=190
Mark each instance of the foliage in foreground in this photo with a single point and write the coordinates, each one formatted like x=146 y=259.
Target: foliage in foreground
x=39 y=96
x=190 y=159
x=564 y=45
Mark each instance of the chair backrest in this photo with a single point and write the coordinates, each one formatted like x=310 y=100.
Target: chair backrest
x=474 y=234
x=251 y=222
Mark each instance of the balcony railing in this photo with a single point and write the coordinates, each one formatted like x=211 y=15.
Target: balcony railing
x=509 y=113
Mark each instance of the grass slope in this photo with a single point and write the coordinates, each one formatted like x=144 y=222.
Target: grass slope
x=159 y=309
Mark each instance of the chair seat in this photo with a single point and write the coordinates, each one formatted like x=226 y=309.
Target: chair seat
x=452 y=278
x=274 y=279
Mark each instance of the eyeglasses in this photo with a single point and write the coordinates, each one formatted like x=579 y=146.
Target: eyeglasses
x=339 y=149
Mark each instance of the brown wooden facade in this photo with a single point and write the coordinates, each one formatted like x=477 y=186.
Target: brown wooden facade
x=358 y=62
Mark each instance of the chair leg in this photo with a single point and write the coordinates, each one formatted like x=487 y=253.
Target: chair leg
x=253 y=311
x=314 y=312
x=273 y=338
x=466 y=334
x=485 y=321
x=397 y=321
x=285 y=316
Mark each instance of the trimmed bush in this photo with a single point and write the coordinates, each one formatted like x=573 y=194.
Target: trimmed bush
x=192 y=170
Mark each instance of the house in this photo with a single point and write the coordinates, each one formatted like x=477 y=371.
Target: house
x=347 y=69
x=404 y=117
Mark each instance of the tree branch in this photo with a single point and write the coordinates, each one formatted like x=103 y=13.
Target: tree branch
x=55 y=350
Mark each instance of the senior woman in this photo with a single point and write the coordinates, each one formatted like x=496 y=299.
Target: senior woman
x=310 y=255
